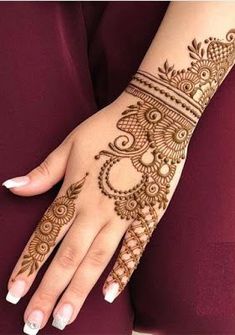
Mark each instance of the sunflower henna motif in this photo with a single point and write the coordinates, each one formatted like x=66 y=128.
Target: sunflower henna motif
x=156 y=131
x=58 y=214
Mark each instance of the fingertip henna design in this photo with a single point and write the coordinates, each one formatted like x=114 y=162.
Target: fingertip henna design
x=157 y=130
x=135 y=240
x=60 y=212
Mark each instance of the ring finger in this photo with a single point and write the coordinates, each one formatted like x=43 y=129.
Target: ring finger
x=89 y=271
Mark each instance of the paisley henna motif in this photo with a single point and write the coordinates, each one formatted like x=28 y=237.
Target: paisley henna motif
x=60 y=212
x=156 y=132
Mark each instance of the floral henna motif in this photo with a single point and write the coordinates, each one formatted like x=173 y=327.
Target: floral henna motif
x=60 y=212
x=208 y=68
x=157 y=130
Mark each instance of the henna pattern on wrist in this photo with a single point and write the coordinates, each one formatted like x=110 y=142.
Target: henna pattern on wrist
x=157 y=131
x=60 y=213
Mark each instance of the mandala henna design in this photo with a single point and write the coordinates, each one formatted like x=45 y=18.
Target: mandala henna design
x=60 y=212
x=157 y=130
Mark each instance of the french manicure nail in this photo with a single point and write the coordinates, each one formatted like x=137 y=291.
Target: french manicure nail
x=62 y=316
x=16 y=291
x=34 y=322
x=16 y=182
x=111 y=292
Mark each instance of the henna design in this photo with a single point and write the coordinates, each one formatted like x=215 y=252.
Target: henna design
x=157 y=130
x=208 y=68
x=60 y=212
x=136 y=238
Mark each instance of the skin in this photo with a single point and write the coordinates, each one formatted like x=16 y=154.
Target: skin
x=93 y=234
x=89 y=241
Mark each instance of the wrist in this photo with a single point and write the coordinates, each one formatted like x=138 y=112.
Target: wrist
x=165 y=116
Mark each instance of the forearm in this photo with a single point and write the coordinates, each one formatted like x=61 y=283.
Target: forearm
x=183 y=22
x=196 y=73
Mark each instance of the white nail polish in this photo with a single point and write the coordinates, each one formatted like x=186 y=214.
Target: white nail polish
x=33 y=323
x=31 y=328
x=16 y=291
x=16 y=182
x=111 y=292
x=11 y=298
x=62 y=316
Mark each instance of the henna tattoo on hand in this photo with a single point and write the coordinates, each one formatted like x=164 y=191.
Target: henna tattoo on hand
x=157 y=131
x=189 y=91
x=60 y=213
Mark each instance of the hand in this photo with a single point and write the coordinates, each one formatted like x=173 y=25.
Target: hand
x=120 y=169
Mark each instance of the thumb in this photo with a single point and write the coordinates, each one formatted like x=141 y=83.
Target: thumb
x=44 y=176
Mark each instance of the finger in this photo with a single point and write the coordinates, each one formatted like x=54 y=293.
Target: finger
x=134 y=242
x=61 y=270
x=49 y=231
x=87 y=274
x=45 y=175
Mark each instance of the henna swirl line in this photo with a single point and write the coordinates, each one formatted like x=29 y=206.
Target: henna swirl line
x=161 y=124
x=59 y=213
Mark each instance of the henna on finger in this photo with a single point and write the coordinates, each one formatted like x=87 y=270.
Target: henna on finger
x=135 y=240
x=157 y=131
x=60 y=213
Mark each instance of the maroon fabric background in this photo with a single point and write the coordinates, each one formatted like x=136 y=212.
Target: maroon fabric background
x=60 y=63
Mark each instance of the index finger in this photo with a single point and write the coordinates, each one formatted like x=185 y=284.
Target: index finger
x=50 y=230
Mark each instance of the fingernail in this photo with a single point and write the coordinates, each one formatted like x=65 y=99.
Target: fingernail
x=34 y=322
x=16 y=291
x=62 y=316
x=16 y=182
x=111 y=292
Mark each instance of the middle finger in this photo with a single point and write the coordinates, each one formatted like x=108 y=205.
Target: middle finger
x=68 y=257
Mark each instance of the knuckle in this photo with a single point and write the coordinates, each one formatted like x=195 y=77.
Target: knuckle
x=45 y=295
x=67 y=258
x=97 y=257
x=76 y=291
x=43 y=168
